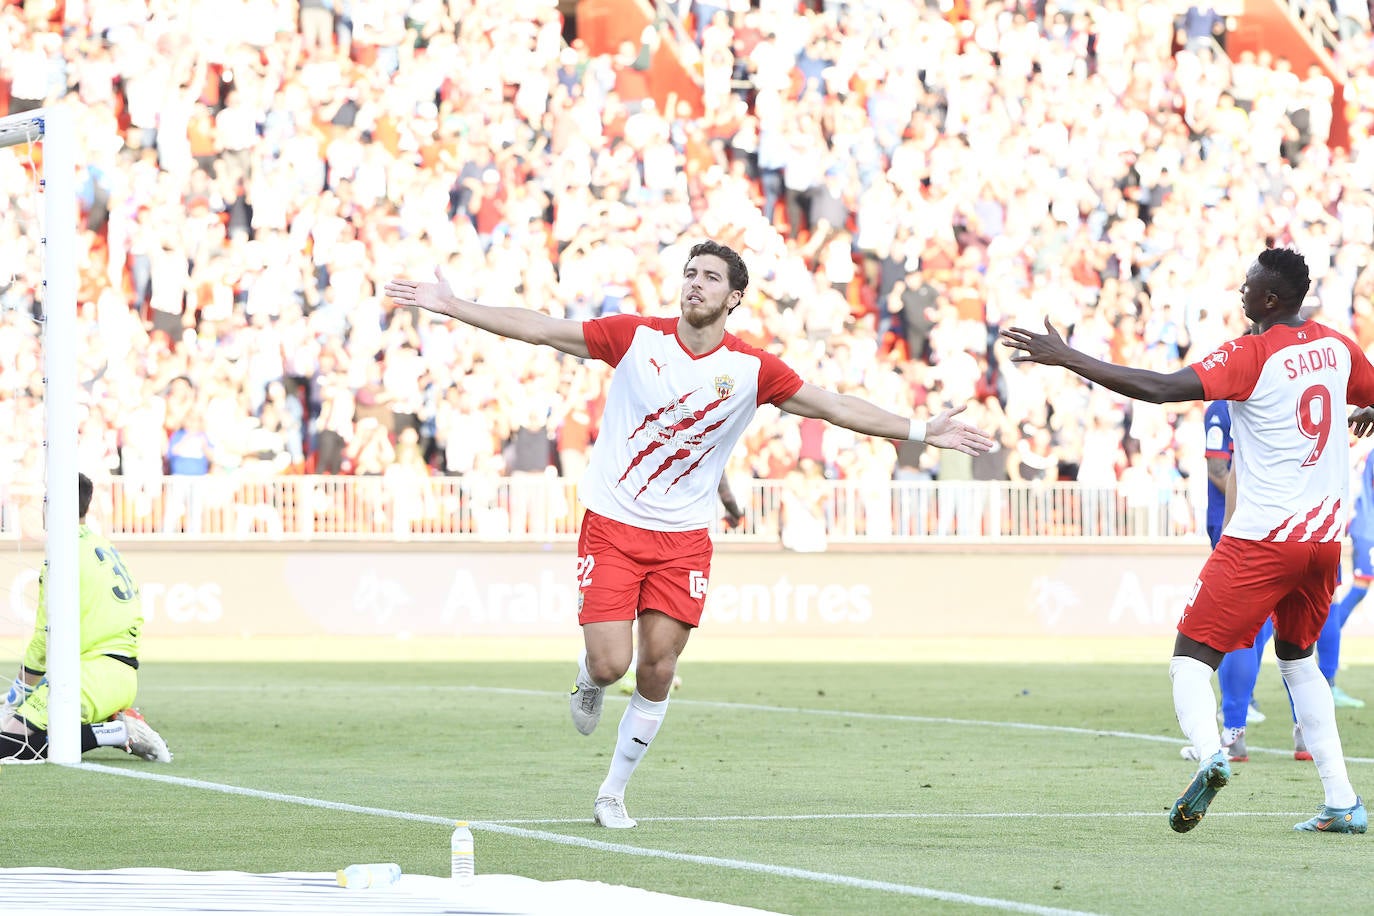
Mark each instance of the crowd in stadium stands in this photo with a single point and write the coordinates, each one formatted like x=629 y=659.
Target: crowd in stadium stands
x=903 y=178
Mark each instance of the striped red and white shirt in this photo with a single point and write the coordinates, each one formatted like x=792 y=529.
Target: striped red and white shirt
x=1289 y=388
x=671 y=419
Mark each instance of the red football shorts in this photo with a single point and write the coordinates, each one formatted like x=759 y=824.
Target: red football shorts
x=1243 y=582
x=622 y=570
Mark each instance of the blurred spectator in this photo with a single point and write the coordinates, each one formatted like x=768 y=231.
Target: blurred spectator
x=190 y=456
x=1353 y=18
x=370 y=452
x=803 y=526
x=407 y=482
x=317 y=26
x=334 y=425
x=1202 y=25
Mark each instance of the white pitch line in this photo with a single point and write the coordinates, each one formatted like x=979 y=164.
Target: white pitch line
x=907 y=890
x=794 y=710
x=900 y=816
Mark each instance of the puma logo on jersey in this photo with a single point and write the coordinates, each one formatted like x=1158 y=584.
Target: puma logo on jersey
x=658 y=367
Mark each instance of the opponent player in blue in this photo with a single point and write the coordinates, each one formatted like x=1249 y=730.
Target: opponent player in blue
x=1239 y=669
x=1361 y=533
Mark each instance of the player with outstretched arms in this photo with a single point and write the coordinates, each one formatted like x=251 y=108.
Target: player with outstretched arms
x=682 y=392
x=1288 y=384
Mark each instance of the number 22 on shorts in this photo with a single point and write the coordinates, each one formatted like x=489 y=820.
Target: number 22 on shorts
x=584 y=570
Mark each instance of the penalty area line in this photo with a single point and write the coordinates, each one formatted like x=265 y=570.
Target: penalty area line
x=1176 y=741
x=898 y=816
x=906 y=890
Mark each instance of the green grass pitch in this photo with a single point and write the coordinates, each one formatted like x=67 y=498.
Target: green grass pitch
x=800 y=787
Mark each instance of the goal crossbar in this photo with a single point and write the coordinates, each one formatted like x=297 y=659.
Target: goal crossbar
x=54 y=128
x=21 y=128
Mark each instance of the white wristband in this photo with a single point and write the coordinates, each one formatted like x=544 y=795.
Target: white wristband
x=917 y=433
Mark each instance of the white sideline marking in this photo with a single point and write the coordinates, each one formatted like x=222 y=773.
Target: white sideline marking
x=795 y=710
x=907 y=890
x=900 y=816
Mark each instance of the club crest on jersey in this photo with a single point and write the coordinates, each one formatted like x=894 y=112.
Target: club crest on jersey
x=1216 y=359
x=725 y=386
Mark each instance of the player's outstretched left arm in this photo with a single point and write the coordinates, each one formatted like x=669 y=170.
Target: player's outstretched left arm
x=942 y=431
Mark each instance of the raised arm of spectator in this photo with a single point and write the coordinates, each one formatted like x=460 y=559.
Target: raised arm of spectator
x=521 y=324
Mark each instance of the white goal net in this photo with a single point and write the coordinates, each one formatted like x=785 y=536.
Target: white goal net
x=21 y=465
x=37 y=148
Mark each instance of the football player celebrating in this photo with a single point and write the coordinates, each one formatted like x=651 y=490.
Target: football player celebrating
x=1288 y=384
x=682 y=392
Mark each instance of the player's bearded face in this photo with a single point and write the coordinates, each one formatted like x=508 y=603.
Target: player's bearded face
x=706 y=293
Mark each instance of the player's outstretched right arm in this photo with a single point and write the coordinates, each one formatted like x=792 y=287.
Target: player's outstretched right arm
x=521 y=324
x=1050 y=349
x=1362 y=421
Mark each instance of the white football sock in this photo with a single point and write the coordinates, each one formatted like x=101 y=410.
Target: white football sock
x=637 y=728
x=1316 y=712
x=583 y=678
x=1195 y=704
x=110 y=734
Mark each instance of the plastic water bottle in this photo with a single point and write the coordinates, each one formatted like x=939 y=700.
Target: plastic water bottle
x=382 y=874
x=462 y=867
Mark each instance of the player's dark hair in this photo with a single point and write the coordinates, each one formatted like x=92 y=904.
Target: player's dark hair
x=739 y=272
x=85 y=490
x=1286 y=273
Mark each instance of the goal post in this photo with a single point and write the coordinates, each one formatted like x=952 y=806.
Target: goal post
x=54 y=129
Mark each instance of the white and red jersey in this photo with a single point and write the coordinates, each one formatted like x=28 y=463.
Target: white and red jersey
x=1289 y=388
x=671 y=419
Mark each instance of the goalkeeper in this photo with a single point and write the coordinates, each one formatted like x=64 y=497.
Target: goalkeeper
x=111 y=617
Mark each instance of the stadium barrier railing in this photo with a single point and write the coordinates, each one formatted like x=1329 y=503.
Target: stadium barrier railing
x=807 y=516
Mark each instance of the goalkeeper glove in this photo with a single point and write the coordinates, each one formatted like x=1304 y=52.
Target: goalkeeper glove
x=18 y=693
